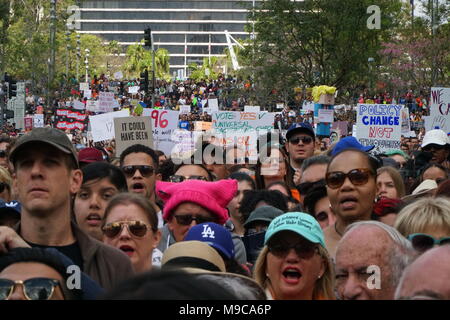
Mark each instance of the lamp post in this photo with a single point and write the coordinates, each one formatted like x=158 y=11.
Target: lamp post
x=51 y=61
x=68 y=47
x=86 y=62
x=370 y=61
x=78 y=56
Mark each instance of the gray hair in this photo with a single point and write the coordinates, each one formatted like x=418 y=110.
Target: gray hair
x=315 y=160
x=402 y=253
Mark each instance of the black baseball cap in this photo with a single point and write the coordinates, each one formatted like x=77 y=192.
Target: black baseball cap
x=54 y=137
x=304 y=127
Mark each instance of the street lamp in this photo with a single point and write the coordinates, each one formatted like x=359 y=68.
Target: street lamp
x=78 y=55
x=370 y=61
x=86 y=61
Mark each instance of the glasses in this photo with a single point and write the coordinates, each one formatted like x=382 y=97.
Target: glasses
x=3 y=186
x=135 y=228
x=303 y=250
x=304 y=187
x=33 y=289
x=3 y=154
x=423 y=242
x=186 y=219
x=358 y=177
x=304 y=140
x=178 y=178
x=146 y=171
x=432 y=147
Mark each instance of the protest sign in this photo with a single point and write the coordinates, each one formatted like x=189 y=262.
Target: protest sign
x=84 y=86
x=38 y=121
x=379 y=125
x=28 y=123
x=106 y=102
x=78 y=105
x=87 y=94
x=202 y=125
x=133 y=90
x=213 y=105
x=183 y=143
x=435 y=122
x=118 y=75
x=92 y=105
x=164 y=122
x=326 y=115
x=280 y=105
x=69 y=119
x=308 y=106
x=102 y=125
x=132 y=130
x=405 y=121
x=342 y=126
x=251 y=108
x=439 y=109
x=185 y=108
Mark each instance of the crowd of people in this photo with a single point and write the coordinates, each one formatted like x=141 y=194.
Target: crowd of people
x=306 y=221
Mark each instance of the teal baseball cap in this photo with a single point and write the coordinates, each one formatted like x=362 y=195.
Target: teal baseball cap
x=301 y=223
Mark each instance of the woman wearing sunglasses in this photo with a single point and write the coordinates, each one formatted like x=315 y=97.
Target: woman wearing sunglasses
x=351 y=189
x=131 y=225
x=5 y=185
x=425 y=222
x=294 y=264
x=101 y=181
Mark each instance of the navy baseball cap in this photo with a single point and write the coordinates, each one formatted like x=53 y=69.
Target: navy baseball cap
x=349 y=143
x=13 y=207
x=304 y=127
x=214 y=235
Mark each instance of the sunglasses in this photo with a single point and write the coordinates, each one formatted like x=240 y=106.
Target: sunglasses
x=3 y=186
x=304 y=140
x=304 y=251
x=432 y=147
x=304 y=187
x=178 y=178
x=358 y=177
x=135 y=228
x=186 y=219
x=3 y=154
x=423 y=242
x=146 y=171
x=33 y=289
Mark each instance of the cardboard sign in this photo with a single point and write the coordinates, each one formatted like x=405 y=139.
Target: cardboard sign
x=84 y=86
x=78 y=105
x=38 y=121
x=185 y=108
x=164 y=123
x=439 y=109
x=106 y=102
x=132 y=130
x=102 y=125
x=326 y=115
x=379 y=125
x=251 y=109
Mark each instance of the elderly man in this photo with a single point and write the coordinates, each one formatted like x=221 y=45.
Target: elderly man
x=416 y=282
x=370 y=259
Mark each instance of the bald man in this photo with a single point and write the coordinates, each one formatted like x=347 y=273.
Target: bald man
x=427 y=278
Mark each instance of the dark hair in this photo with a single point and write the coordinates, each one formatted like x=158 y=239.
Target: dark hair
x=284 y=185
x=210 y=175
x=260 y=184
x=251 y=198
x=313 y=196
x=100 y=170
x=374 y=162
x=241 y=176
x=168 y=285
x=159 y=153
x=432 y=165
x=166 y=169
x=40 y=255
x=443 y=189
x=138 y=148
x=321 y=159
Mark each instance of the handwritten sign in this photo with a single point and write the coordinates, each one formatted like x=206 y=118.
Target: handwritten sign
x=326 y=115
x=87 y=94
x=164 y=123
x=132 y=130
x=92 y=105
x=440 y=108
x=84 y=86
x=106 y=102
x=379 y=125
x=102 y=125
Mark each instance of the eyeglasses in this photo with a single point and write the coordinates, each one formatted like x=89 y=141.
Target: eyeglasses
x=358 y=177
x=178 y=178
x=146 y=171
x=3 y=154
x=135 y=228
x=423 y=242
x=304 y=187
x=186 y=219
x=432 y=147
x=33 y=289
x=304 y=140
x=303 y=250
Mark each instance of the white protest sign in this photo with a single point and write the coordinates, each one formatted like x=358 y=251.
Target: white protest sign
x=326 y=115
x=133 y=90
x=92 y=105
x=308 y=106
x=106 y=102
x=132 y=130
x=84 y=86
x=405 y=121
x=435 y=122
x=251 y=108
x=280 y=105
x=213 y=105
x=185 y=108
x=164 y=122
x=439 y=109
x=118 y=75
x=78 y=105
x=38 y=121
x=102 y=125
x=87 y=94
x=184 y=143
x=204 y=101
x=379 y=125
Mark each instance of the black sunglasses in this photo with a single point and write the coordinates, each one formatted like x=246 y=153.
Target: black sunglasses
x=146 y=171
x=136 y=228
x=186 y=219
x=423 y=242
x=304 y=187
x=3 y=154
x=358 y=177
x=33 y=289
x=3 y=186
x=304 y=140
x=178 y=178
x=303 y=250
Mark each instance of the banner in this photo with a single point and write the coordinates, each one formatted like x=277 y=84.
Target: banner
x=379 y=125
x=70 y=119
x=439 y=109
x=132 y=130
x=102 y=125
x=164 y=123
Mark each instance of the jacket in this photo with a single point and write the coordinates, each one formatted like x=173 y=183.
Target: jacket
x=106 y=265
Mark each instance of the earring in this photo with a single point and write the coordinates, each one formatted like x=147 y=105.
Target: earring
x=267 y=275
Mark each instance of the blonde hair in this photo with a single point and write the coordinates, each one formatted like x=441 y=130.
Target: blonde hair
x=396 y=178
x=324 y=287
x=423 y=214
x=5 y=177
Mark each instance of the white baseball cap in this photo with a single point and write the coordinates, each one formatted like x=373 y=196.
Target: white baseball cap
x=436 y=136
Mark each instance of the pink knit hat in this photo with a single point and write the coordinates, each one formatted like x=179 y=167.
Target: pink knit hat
x=213 y=196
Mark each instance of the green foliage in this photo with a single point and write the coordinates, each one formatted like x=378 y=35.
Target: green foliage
x=138 y=59
x=209 y=70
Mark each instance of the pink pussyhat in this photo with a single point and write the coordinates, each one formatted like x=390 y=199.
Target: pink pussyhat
x=213 y=196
